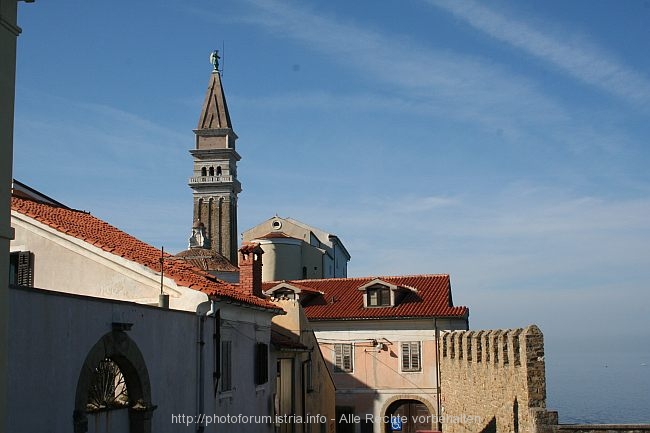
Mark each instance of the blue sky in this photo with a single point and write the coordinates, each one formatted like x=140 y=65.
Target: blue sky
x=504 y=143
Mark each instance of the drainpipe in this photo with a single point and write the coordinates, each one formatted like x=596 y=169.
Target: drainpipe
x=200 y=342
x=436 y=337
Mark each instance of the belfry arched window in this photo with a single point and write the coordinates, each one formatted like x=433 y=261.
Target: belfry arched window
x=218 y=170
x=204 y=171
x=211 y=171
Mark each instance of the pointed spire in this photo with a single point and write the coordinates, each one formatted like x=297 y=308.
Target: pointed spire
x=214 y=114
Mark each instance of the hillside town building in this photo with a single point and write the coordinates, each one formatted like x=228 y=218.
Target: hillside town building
x=110 y=334
x=378 y=336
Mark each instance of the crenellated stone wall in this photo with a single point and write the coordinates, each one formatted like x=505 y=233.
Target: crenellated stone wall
x=494 y=381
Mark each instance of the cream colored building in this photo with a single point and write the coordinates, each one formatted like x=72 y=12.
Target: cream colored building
x=293 y=250
x=378 y=338
x=304 y=385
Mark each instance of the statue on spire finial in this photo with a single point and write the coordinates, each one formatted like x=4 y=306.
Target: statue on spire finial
x=214 y=59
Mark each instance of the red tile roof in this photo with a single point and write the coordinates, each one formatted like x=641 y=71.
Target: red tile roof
x=342 y=299
x=276 y=235
x=207 y=260
x=92 y=230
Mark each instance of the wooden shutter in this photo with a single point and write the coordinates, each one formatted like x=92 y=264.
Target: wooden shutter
x=22 y=263
x=343 y=357
x=411 y=356
x=226 y=365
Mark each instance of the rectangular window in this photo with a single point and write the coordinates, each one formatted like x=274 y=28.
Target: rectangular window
x=378 y=297
x=226 y=365
x=411 y=356
x=261 y=363
x=21 y=269
x=343 y=358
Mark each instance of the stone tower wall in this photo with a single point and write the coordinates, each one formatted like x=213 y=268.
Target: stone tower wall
x=219 y=214
x=497 y=377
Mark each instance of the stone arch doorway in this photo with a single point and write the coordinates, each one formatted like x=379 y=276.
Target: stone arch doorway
x=415 y=415
x=117 y=350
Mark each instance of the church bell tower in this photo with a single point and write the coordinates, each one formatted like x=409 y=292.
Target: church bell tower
x=214 y=181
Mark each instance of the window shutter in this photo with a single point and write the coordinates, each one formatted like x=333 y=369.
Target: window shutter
x=411 y=356
x=226 y=373
x=415 y=356
x=216 y=341
x=22 y=263
x=338 y=357
x=342 y=357
x=347 y=357
x=406 y=356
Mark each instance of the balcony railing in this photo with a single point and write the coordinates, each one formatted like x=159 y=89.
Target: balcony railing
x=210 y=179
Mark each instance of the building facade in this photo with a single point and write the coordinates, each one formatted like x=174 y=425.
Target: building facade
x=293 y=250
x=96 y=312
x=378 y=337
x=304 y=384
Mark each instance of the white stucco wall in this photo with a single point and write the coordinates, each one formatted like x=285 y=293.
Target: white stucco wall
x=52 y=334
x=67 y=264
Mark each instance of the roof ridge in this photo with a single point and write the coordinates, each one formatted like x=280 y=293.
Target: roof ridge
x=15 y=196
x=369 y=277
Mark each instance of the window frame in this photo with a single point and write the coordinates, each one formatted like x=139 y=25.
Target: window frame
x=339 y=352
x=21 y=268
x=383 y=297
x=406 y=349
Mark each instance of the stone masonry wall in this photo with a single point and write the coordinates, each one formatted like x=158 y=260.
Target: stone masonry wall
x=494 y=381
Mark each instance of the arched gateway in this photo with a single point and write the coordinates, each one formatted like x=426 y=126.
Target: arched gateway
x=114 y=376
x=414 y=414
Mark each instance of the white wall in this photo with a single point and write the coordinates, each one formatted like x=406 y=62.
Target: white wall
x=96 y=272
x=52 y=334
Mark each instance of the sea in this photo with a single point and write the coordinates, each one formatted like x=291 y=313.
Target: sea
x=600 y=385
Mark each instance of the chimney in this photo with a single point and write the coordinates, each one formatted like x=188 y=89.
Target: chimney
x=250 y=269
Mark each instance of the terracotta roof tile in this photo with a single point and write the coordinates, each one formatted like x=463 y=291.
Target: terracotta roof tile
x=207 y=260
x=84 y=226
x=342 y=299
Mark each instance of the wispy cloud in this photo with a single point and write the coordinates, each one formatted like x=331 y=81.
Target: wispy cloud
x=436 y=78
x=576 y=56
x=437 y=83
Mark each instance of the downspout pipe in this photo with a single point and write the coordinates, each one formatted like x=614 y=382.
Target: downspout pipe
x=204 y=309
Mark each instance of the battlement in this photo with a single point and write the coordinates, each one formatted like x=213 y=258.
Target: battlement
x=497 y=375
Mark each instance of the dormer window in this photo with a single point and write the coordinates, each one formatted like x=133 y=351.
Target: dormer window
x=284 y=294
x=379 y=293
x=378 y=296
